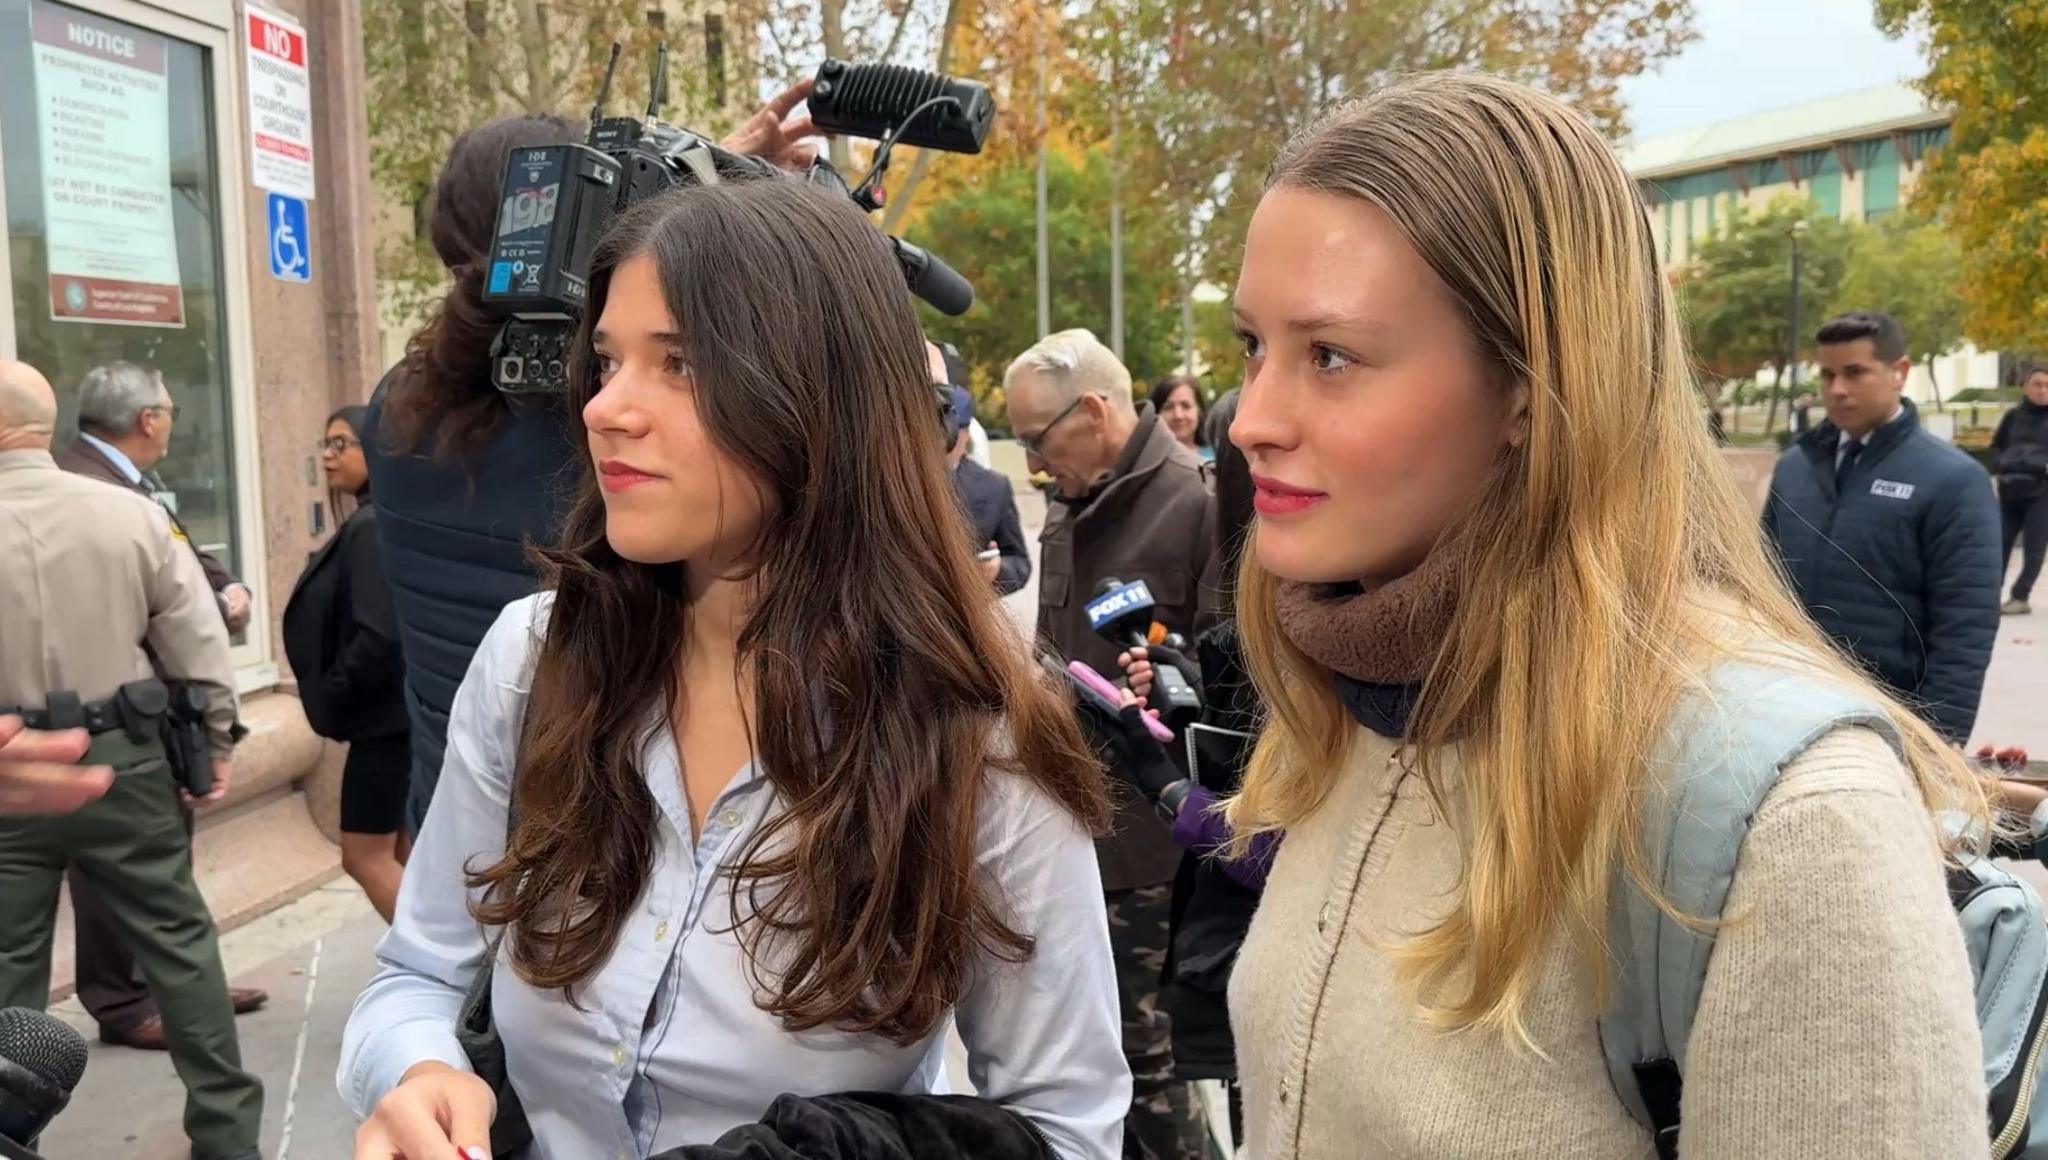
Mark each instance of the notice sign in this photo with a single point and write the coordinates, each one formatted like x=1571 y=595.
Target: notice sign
x=103 y=120
x=280 y=106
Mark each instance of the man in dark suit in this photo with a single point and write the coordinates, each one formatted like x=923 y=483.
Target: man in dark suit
x=985 y=496
x=125 y=419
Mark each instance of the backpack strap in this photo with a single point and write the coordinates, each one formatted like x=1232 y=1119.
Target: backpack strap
x=1727 y=742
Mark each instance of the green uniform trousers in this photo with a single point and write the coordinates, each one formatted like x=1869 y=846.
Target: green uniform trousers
x=132 y=846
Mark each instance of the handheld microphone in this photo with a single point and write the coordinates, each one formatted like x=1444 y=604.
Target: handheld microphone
x=41 y=1060
x=933 y=280
x=1122 y=614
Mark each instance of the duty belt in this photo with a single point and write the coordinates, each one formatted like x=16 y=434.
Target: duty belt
x=65 y=711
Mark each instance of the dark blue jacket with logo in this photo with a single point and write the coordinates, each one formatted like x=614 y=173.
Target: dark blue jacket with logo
x=1900 y=565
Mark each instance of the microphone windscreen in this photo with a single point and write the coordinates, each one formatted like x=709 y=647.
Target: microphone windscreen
x=43 y=1044
x=41 y=1061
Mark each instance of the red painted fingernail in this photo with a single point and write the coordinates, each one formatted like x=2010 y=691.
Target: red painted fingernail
x=474 y=1153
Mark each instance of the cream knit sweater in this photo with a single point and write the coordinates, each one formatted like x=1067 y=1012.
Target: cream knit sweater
x=1837 y=1018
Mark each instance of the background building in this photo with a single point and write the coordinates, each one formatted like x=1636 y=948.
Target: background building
x=133 y=138
x=1856 y=155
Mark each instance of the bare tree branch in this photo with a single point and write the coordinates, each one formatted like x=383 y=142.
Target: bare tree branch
x=533 y=38
x=832 y=23
x=896 y=37
x=899 y=204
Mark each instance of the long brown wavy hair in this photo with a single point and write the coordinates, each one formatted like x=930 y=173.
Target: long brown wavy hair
x=887 y=681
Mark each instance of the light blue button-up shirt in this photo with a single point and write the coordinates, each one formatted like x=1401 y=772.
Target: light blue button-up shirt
x=668 y=1046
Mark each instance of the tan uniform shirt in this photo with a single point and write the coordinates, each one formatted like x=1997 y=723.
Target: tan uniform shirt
x=89 y=572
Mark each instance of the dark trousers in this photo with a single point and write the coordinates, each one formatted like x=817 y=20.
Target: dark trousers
x=109 y=986
x=1166 y=1121
x=2026 y=520
x=133 y=849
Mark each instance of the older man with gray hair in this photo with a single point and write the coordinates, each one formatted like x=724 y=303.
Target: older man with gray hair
x=1132 y=504
x=125 y=419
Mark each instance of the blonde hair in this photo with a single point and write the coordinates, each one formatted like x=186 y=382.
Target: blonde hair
x=1610 y=561
x=1073 y=363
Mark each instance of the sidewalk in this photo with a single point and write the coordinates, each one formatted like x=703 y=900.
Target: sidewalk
x=313 y=956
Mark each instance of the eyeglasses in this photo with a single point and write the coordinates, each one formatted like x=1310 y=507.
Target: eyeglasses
x=339 y=444
x=170 y=409
x=1035 y=441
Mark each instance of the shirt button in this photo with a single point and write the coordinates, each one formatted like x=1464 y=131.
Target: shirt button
x=1283 y=1093
x=729 y=819
x=661 y=930
x=1323 y=919
x=618 y=1057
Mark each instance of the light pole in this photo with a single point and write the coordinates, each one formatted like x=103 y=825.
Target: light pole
x=1044 y=271
x=1798 y=235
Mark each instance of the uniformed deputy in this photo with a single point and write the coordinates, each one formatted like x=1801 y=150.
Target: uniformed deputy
x=89 y=575
x=125 y=420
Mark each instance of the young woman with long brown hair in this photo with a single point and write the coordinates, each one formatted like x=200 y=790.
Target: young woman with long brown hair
x=1500 y=593
x=786 y=796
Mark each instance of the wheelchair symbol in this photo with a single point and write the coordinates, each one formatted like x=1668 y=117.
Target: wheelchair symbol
x=289 y=259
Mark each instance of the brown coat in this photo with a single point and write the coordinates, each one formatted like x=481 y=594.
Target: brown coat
x=1153 y=521
x=82 y=458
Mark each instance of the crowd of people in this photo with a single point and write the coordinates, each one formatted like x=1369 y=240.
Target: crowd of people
x=706 y=789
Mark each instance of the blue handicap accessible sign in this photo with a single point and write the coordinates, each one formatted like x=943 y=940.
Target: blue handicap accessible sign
x=291 y=247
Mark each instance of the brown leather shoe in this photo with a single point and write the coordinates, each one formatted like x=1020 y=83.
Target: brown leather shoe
x=247 y=999
x=147 y=1035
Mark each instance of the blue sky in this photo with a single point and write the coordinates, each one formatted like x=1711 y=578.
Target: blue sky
x=1754 y=55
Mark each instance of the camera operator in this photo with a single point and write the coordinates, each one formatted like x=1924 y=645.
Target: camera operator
x=465 y=479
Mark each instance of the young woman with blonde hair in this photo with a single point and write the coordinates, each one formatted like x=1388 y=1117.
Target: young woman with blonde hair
x=1502 y=595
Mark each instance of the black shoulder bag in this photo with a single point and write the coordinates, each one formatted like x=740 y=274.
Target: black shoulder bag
x=476 y=1029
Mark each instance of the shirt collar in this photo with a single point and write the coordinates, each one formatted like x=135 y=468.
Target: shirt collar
x=27 y=457
x=115 y=456
x=1897 y=414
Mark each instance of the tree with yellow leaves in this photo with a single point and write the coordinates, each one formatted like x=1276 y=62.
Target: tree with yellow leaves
x=1989 y=184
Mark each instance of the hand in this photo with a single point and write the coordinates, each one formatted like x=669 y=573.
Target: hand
x=2011 y=759
x=773 y=135
x=223 y=772
x=1148 y=764
x=1137 y=669
x=435 y=1113
x=236 y=603
x=39 y=773
x=1137 y=665
x=991 y=567
x=2016 y=797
